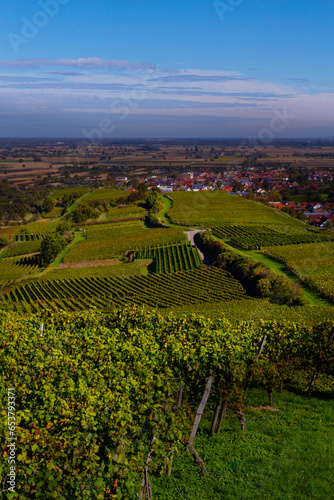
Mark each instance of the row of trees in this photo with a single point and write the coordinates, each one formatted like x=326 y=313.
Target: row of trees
x=255 y=276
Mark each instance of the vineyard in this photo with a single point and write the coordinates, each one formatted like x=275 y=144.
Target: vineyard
x=312 y=262
x=112 y=240
x=132 y=405
x=107 y=194
x=12 y=268
x=213 y=208
x=128 y=211
x=28 y=237
x=171 y=258
x=58 y=194
x=55 y=212
x=24 y=248
x=253 y=237
x=155 y=290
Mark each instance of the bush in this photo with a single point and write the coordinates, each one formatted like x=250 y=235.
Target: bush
x=4 y=241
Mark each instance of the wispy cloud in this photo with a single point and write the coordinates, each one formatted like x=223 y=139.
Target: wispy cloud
x=201 y=78
x=81 y=62
x=82 y=91
x=298 y=80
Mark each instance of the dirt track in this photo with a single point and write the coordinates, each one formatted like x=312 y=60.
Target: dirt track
x=191 y=235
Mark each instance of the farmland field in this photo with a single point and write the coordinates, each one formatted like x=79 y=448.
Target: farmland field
x=28 y=236
x=39 y=227
x=315 y=262
x=213 y=208
x=112 y=240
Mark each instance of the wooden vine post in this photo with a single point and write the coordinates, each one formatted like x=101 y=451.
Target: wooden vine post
x=198 y=417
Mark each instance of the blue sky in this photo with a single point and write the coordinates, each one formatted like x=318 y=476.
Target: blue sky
x=199 y=68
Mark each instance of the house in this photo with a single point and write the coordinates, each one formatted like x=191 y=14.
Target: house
x=165 y=189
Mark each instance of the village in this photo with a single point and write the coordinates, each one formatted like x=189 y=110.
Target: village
x=275 y=187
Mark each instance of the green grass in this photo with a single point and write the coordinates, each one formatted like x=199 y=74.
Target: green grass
x=283 y=455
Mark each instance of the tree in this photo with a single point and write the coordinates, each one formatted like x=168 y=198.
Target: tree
x=237 y=186
x=51 y=246
x=154 y=203
x=48 y=205
x=302 y=216
x=274 y=195
x=328 y=225
x=142 y=190
x=63 y=227
x=265 y=185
